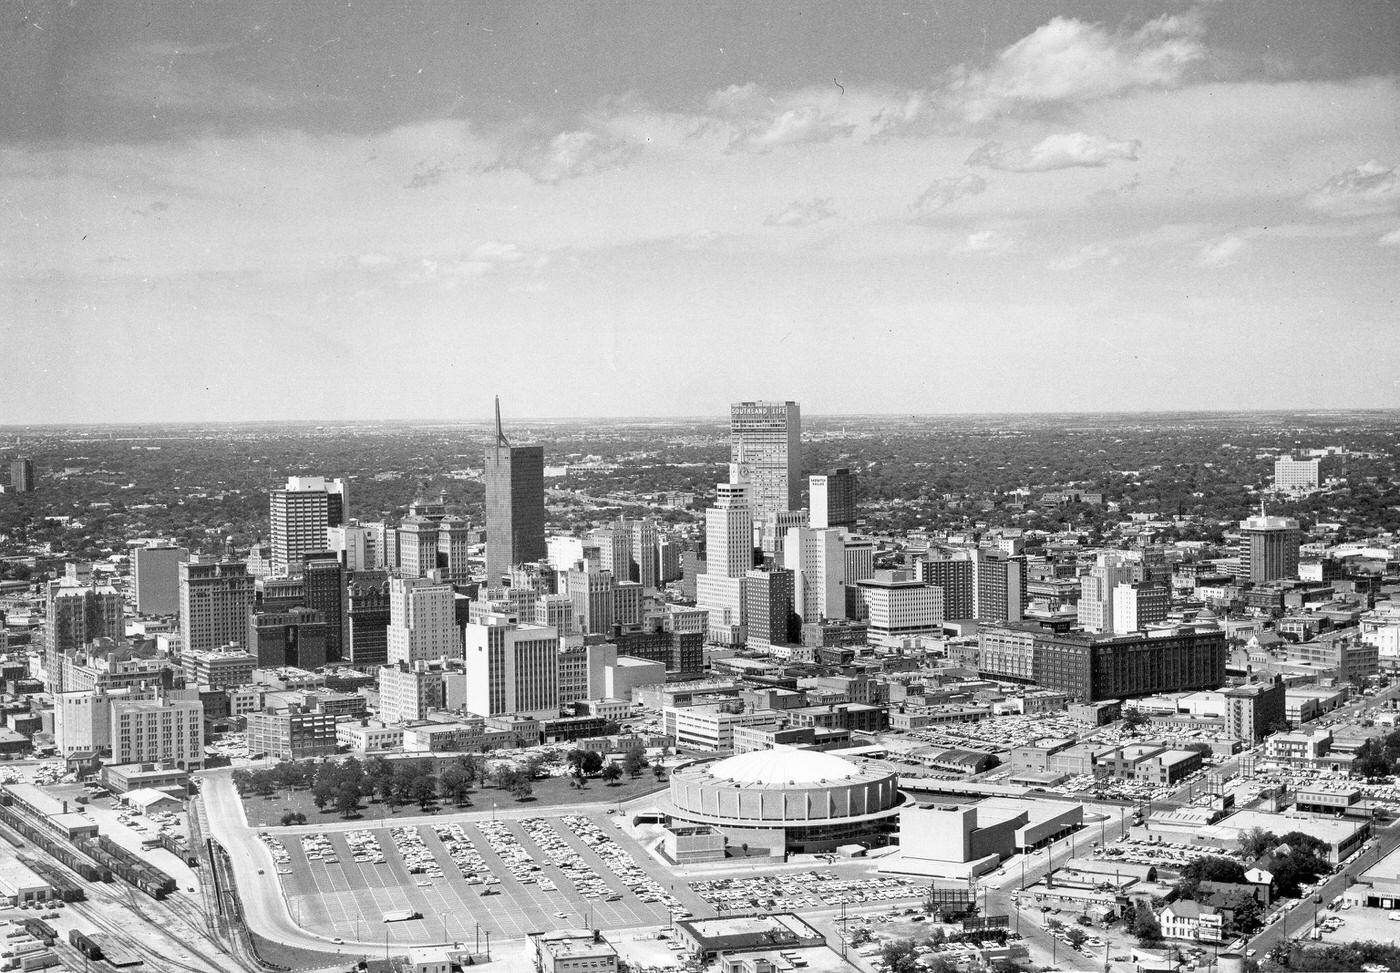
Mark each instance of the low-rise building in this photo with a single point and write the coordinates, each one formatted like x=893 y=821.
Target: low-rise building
x=573 y=951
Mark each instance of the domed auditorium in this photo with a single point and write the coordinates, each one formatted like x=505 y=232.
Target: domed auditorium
x=788 y=800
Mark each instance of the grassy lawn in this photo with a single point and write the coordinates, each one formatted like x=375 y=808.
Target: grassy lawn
x=549 y=792
x=294 y=957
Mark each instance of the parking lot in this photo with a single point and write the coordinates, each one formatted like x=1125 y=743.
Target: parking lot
x=803 y=891
x=510 y=876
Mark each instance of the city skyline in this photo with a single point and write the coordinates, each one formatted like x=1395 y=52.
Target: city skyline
x=1051 y=207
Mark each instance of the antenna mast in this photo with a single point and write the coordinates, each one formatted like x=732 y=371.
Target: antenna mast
x=501 y=439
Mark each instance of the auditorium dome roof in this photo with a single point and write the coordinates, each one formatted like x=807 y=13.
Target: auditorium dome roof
x=784 y=765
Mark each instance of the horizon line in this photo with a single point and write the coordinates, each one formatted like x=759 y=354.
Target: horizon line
x=716 y=417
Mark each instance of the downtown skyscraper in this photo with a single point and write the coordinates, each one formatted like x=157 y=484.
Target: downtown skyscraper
x=765 y=451
x=300 y=513
x=514 y=504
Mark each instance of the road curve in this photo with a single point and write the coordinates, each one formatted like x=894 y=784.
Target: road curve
x=265 y=910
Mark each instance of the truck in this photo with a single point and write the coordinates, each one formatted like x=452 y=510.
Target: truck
x=402 y=915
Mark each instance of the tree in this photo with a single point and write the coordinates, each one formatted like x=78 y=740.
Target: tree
x=347 y=800
x=1076 y=936
x=658 y=771
x=1146 y=927
x=1256 y=843
x=1134 y=719
x=423 y=791
x=899 y=956
x=1213 y=868
x=293 y=817
x=521 y=788
x=575 y=758
x=323 y=794
x=634 y=761
x=612 y=772
x=592 y=763
x=1247 y=915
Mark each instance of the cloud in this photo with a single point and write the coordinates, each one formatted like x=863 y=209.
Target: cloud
x=808 y=123
x=155 y=208
x=427 y=175
x=1391 y=239
x=1089 y=253
x=989 y=242
x=1067 y=61
x=569 y=155
x=167 y=77
x=1369 y=189
x=1221 y=253
x=943 y=192
x=1064 y=151
x=802 y=213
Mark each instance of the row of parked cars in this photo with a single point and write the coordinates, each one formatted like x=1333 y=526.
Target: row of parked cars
x=318 y=848
x=365 y=847
x=414 y=852
x=804 y=890
x=508 y=849
x=464 y=854
x=280 y=855
x=621 y=863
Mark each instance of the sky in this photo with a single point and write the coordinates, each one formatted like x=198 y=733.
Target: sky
x=379 y=209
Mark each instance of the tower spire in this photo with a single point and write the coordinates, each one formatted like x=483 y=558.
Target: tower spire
x=501 y=439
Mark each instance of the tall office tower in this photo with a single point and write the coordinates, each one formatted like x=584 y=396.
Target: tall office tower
x=294 y=637
x=300 y=512
x=22 y=475
x=1268 y=549
x=563 y=552
x=76 y=615
x=408 y=692
x=1000 y=580
x=1095 y=610
x=511 y=668
x=1297 y=475
x=954 y=572
x=418 y=547
x=646 y=569
x=769 y=619
x=514 y=504
x=772 y=528
x=325 y=583
x=280 y=594
x=831 y=497
x=422 y=621
x=454 y=540
x=557 y=612
x=1139 y=604
x=859 y=556
x=766 y=450
x=360 y=546
x=155 y=574
x=729 y=531
x=817 y=560
x=729 y=546
x=215 y=598
x=593 y=599
x=628 y=604
x=367 y=620
x=692 y=567
x=668 y=560
x=614 y=550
